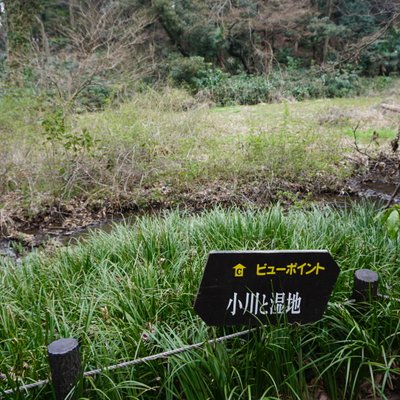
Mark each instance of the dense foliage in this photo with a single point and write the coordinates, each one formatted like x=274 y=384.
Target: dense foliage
x=86 y=50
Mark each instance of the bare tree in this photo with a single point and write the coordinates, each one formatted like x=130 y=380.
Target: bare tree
x=105 y=37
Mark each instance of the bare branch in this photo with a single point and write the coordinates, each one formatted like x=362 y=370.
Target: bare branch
x=104 y=37
x=353 y=51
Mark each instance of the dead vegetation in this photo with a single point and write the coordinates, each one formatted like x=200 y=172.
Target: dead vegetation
x=157 y=152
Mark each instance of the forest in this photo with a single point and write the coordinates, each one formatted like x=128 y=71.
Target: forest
x=91 y=50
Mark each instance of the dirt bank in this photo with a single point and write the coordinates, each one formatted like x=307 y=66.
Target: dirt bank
x=375 y=179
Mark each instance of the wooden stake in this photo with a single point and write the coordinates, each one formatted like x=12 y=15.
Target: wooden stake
x=65 y=365
x=365 y=285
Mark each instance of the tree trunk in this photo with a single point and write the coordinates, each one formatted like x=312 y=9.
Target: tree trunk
x=325 y=48
x=71 y=9
x=45 y=40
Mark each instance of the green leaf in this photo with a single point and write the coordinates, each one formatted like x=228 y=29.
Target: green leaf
x=392 y=222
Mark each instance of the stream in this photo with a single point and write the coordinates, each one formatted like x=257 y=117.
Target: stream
x=31 y=240
x=57 y=236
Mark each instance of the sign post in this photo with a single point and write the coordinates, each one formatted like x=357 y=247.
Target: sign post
x=261 y=287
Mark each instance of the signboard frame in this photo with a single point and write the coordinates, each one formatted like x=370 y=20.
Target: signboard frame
x=265 y=287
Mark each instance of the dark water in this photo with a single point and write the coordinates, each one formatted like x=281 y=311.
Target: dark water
x=56 y=237
x=379 y=190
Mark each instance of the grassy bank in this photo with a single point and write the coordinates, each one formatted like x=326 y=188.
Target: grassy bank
x=130 y=294
x=168 y=148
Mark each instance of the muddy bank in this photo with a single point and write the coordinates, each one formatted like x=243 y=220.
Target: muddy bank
x=60 y=222
x=377 y=179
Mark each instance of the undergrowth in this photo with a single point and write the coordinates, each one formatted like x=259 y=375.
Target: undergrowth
x=169 y=141
x=130 y=293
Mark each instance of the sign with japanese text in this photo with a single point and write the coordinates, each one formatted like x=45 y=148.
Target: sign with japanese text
x=260 y=287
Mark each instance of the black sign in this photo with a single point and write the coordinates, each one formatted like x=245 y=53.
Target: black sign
x=253 y=287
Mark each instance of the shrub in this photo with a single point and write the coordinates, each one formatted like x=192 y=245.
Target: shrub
x=242 y=89
x=56 y=131
x=294 y=83
x=341 y=83
x=96 y=96
x=195 y=73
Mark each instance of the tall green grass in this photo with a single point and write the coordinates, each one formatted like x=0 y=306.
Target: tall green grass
x=130 y=293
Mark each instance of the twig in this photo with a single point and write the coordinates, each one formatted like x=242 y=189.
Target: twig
x=394 y=194
x=395 y=145
x=354 y=130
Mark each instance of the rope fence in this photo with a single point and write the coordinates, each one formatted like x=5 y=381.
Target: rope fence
x=64 y=356
x=25 y=387
x=153 y=357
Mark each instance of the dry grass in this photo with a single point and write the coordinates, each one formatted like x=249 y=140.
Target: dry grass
x=167 y=140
